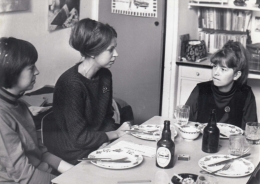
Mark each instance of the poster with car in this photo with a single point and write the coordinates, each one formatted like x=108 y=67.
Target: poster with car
x=143 y=8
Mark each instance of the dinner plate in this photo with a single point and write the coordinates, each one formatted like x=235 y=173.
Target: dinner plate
x=116 y=153
x=238 y=168
x=225 y=129
x=154 y=129
x=185 y=176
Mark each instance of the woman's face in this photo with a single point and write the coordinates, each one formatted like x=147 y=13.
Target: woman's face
x=107 y=58
x=223 y=77
x=27 y=78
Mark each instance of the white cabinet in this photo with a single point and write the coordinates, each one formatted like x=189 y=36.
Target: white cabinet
x=188 y=78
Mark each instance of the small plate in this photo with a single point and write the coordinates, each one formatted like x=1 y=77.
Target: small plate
x=116 y=153
x=155 y=135
x=238 y=168
x=193 y=177
x=226 y=129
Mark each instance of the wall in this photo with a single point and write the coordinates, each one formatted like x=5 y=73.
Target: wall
x=137 y=70
x=55 y=54
x=187 y=23
x=255 y=85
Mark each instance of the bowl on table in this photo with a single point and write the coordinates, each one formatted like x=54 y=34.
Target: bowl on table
x=189 y=132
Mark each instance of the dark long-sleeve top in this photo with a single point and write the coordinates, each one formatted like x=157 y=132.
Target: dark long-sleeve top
x=221 y=99
x=83 y=113
x=23 y=159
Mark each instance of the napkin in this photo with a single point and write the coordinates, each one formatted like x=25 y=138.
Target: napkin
x=138 y=148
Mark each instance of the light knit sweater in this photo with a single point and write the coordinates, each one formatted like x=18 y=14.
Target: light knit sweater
x=23 y=159
x=83 y=112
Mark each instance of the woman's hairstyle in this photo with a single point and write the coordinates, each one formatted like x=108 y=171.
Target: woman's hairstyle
x=91 y=38
x=15 y=55
x=233 y=55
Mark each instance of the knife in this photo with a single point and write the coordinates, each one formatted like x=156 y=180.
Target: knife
x=138 y=131
x=223 y=135
x=93 y=159
x=228 y=160
x=115 y=161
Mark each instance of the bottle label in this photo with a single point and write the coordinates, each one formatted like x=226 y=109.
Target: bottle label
x=163 y=156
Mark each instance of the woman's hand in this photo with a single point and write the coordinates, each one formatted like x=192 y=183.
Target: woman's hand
x=125 y=126
x=104 y=145
x=64 y=166
x=119 y=132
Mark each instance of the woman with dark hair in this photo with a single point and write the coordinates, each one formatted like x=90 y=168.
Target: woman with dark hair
x=82 y=104
x=228 y=93
x=23 y=158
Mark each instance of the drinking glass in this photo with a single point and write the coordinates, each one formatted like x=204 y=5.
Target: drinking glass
x=238 y=145
x=206 y=179
x=252 y=132
x=182 y=113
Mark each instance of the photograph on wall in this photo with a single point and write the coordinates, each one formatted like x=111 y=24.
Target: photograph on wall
x=14 y=5
x=143 y=8
x=257 y=24
x=62 y=14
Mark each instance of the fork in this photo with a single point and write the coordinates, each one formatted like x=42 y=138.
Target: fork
x=226 y=167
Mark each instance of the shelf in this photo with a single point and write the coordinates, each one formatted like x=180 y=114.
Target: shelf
x=222 y=31
x=226 y=6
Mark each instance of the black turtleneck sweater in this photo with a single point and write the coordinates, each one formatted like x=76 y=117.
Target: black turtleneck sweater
x=235 y=107
x=83 y=112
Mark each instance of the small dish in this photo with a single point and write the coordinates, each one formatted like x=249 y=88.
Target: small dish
x=189 y=132
x=185 y=176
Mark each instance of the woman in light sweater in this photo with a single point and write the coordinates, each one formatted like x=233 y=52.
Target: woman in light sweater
x=22 y=158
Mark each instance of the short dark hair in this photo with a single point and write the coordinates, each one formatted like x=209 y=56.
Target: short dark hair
x=233 y=55
x=90 y=37
x=15 y=55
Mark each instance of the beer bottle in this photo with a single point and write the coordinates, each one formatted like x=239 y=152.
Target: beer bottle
x=165 y=148
x=210 y=140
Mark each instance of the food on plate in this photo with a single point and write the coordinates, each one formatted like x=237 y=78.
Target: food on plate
x=188 y=181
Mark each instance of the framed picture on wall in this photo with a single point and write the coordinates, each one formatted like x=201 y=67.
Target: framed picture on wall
x=62 y=14
x=14 y=5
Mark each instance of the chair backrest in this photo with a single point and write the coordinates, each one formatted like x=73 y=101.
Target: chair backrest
x=47 y=119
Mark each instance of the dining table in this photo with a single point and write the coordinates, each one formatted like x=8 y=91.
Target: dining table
x=147 y=172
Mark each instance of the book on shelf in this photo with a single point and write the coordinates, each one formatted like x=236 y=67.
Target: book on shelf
x=224 y=19
x=215 y=40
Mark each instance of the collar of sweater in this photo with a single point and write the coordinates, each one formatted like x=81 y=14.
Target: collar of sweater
x=223 y=98
x=9 y=97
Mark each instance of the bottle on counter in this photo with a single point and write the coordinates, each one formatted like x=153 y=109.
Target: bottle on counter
x=165 y=148
x=210 y=139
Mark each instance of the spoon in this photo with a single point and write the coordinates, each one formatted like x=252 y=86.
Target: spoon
x=178 y=176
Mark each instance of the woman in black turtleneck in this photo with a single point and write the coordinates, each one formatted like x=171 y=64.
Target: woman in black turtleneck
x=227 y=92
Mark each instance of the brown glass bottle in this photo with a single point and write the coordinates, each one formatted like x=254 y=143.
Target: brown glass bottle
x=210 y=139
x=165 y=148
